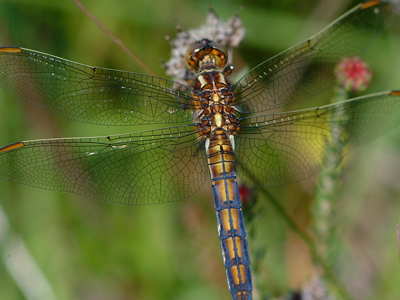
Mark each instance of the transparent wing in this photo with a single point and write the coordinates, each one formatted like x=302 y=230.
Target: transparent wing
x=276 y=149
x=89 y=94
x=138 y=168
x=308 y=68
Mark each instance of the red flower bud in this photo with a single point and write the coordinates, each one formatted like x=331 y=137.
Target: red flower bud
x=353 y=74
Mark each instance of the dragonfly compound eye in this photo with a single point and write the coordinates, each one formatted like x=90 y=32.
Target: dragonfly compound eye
x=205 y=48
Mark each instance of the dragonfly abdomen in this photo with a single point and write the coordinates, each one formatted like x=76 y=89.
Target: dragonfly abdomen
x=230 y=221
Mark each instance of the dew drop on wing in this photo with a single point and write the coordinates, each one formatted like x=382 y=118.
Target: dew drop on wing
x=87 y=153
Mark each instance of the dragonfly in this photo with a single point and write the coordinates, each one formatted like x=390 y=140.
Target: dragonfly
x=206 y=128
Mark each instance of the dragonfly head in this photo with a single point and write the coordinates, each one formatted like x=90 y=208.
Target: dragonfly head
x=196 y=53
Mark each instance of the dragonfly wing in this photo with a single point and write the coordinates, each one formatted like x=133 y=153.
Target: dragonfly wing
x=280 y=148
x=92 y=95
x=147 y=167
x=308 y=68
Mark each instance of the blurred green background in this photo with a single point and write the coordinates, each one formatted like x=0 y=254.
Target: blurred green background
x=86 y=249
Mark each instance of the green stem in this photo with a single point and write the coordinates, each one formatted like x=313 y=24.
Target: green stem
x=304 y=236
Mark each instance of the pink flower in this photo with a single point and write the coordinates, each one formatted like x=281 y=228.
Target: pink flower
x=245 y=192
x=353 y=74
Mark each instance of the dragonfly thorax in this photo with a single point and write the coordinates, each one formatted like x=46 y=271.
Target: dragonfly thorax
x=214 y=104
